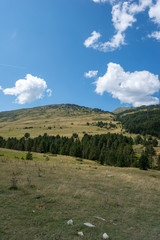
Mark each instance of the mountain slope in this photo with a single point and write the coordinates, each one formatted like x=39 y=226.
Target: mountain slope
x=121 y=110
x=63 y=119
x=48 y=111
x=143 y=120
x=125 y=111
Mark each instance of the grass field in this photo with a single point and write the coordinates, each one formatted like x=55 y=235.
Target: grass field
x=49 y=193
x=55 y=119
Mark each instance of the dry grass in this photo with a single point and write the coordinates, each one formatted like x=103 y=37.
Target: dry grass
x=68 y=189
x=60 y=120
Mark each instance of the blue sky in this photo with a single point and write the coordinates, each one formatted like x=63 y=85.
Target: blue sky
x=95 y=53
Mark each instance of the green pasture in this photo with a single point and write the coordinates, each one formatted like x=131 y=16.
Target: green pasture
x=50 y=190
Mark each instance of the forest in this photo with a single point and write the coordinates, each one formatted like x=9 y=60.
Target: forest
x=142 y=122
x=109 y=149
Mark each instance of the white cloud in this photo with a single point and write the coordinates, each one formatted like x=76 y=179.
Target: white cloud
x=135 y=8
x=104 y=1
x=99 y=1
x=92 y=40
x=134 y=88
x=117 y=40
x=0 y=88
x=154 y=12
x=123 y=16
x=49 y=92
x=28 y=90
x=91 y=74
x=155 y=35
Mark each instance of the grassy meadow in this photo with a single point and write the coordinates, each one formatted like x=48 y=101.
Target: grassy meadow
x=53 y=189
x=63 y=120
x=39 y=196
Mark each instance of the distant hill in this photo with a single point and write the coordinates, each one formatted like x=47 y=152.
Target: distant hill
x=66 y=119
x=48 y=111
x=63 y=119
x=138 y=109
x=142 y=120
x=121 y=110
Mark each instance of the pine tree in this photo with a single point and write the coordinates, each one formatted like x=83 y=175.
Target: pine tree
x=144 y=162
x=29 y=156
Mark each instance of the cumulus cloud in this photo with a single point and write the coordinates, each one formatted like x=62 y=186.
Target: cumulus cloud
x=91 y=74
x=123 y=16
x=154 y=12
x=28 y=90
x=155 y=35
x=135 y=88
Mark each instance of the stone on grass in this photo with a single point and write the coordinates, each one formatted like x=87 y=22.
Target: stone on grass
x=89 y=224
x=105 y=236
x=80 y=234
x=100 y=218
x=70 y=222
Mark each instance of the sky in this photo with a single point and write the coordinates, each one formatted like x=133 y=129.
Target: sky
x=94 y=53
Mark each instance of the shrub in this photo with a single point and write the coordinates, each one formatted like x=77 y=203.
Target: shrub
x=26 y=135
x=14 y=181
x=143 y=162
x=29 y=156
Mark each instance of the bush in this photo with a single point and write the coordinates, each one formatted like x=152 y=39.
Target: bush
x=26 y=135
x=14 y=181
x=143 y=162
x=29 y=156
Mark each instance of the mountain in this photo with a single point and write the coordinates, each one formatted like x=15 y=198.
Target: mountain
x=66 y=119
x=48 y=111
x=63 y=119
x=121 y=110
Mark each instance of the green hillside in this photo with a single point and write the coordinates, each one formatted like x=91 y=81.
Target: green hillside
x=38 y=197
x=143 y=120
x=57 y=182
x=64 y=119
x=67 y=120
x=128 y=110
x=121 y=110
x=48 y=111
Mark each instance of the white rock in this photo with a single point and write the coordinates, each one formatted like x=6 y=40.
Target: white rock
x=89 y=224
x=80 y=234
x=105 y=236
x=100 y=218
x=70 y=222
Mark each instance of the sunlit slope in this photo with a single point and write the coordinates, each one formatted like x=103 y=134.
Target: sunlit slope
x=64 y=119
x=52 y=190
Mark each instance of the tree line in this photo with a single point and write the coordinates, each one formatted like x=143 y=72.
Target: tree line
x=109 y=149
